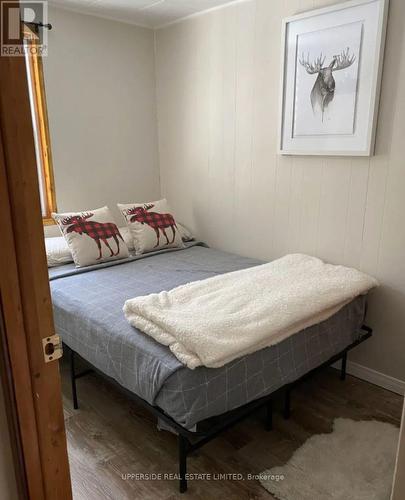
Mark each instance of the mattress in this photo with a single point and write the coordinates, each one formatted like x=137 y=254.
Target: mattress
x=88 y=316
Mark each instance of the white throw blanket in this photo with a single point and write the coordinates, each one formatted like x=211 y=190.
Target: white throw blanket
x=214 y=321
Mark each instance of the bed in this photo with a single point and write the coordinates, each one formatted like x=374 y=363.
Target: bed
x=88 y=316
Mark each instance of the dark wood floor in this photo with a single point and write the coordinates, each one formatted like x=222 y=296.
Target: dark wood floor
x=110 y=436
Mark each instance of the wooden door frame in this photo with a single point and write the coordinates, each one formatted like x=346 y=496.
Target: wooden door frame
x=32 y=387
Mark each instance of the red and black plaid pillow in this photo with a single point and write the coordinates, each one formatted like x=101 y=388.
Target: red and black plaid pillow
x=152 y=225
x=92 y=236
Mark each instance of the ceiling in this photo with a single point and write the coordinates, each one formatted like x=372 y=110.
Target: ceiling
x=150 y=13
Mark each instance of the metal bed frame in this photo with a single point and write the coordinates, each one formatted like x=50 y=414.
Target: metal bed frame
x=189 y=441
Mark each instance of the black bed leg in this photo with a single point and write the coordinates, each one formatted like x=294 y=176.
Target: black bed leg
x=73 y=379
x=343 y=367
x=287 y=404
x=269 y=415
x=183 y=449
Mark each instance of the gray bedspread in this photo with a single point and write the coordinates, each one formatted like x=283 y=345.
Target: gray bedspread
x=88 y=315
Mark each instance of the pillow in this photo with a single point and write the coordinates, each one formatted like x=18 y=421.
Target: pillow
x=126 y=234
x=186 y=234
x=92 y=237
x=58 y=251
x=152 y=226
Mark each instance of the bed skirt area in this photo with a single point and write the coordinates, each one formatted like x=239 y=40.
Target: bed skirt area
x=190 y=396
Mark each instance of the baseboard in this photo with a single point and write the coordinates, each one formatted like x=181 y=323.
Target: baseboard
x=374 y=377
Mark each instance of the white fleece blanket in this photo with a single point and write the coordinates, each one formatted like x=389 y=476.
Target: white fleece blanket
x=214 y=321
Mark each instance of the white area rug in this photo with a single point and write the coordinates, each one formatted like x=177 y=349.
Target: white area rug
x=354 y=462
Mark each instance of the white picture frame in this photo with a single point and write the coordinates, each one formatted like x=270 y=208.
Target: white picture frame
x=330 y=90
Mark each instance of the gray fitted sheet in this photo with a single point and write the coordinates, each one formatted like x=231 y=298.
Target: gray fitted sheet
x=88 y=316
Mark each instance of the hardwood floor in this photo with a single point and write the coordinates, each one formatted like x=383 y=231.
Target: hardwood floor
x=110 y=436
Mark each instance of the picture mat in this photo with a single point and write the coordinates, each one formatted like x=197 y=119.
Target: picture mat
x=339 y=116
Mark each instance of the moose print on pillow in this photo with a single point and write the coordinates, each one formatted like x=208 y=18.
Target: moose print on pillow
x=152 y=226
x=157 y=221
x=92 y=236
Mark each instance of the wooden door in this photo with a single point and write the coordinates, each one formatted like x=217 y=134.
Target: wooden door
x=32 y=386
x=398 y=490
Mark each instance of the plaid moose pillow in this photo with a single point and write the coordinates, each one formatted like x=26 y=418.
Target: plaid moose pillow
x=152 y=226
x=92 y=237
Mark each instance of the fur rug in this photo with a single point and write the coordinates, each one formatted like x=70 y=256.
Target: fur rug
x=354 y=462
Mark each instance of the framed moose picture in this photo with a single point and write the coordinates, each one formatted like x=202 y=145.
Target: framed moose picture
x=331 y=74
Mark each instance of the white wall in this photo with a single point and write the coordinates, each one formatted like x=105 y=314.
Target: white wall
x=100 y=88
x=218 y=88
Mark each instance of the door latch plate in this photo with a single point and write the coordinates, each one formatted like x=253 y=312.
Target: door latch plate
x=52 y=347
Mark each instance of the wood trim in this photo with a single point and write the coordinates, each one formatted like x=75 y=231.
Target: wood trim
x=374 y=377
x=25 y=294
x=48 y=222
x=398 y=489
x=18 y=378
x=10 y=405
x=41 y=112
x=46 y=149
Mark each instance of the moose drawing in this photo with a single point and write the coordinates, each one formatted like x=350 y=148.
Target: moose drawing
x=158 y=222
x=98 y=231
x=323 y=90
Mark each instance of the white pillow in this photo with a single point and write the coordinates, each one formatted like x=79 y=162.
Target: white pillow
x=152 y=226
x=92 y=237
x=186 y=234
x=58 y=251
x=126 y=234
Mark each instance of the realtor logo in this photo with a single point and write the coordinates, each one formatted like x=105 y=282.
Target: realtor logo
x=16 y=41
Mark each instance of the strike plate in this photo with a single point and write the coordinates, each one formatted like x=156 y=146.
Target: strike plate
x=52 y=347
